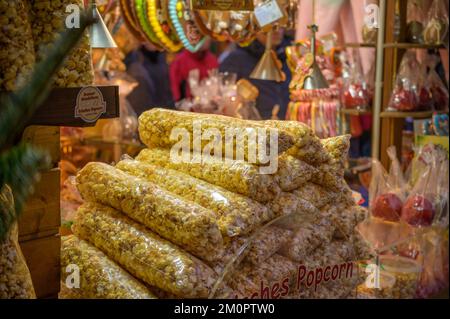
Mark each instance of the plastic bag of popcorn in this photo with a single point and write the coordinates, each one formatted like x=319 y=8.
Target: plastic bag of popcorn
x=232 y=137
x=15 y=278
x=99 y=276
x=236 y=214
x=48 y=19
x=236 y=176
x=183 y=222
x=17 y=56
x=144 y=254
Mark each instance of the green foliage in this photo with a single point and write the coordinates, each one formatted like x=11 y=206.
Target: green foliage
x=19 y=169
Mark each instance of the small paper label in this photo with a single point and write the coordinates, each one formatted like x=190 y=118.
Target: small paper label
x=268 y=12
x=90 y=104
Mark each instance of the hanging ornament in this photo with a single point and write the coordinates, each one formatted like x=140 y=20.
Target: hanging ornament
x=183 y=23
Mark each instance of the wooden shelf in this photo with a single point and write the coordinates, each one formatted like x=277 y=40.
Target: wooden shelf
x=413 y=46
x=414 y=115
x=355 y=112
x=59 y=109
x=359 y=45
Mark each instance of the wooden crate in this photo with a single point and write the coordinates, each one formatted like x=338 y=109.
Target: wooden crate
x=40 y=221
x=41 y=215
x=45 y=137
x=43 y=260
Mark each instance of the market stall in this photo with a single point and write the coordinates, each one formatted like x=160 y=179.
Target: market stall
x=247 y=185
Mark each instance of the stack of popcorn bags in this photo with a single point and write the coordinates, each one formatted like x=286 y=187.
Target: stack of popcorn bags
x=154 y=227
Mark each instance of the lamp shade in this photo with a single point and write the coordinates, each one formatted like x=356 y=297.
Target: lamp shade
x=268 y=68
x=100 y=36
x=316 y=80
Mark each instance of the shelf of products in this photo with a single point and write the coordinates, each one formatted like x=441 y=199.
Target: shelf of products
x=414 y=115
x=413 y=46
x=359 y=45
x=355 y=112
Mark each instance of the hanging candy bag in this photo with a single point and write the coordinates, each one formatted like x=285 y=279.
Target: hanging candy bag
x=405 y=94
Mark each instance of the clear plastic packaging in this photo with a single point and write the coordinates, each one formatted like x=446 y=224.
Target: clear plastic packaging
x=307 y=238
x=17 y=56
x=415 y=20
x=157 y=126
x=183 y=222
x=419 y=208
x=438 y=92
x=338 y=148
x=15 y=278
x=355 y=94
x=144 y=254
x=293 y=173
x=436 y=28
x=99 y=276
x=288 y=203
x=434 y=251
x=331 y=172
x=236 y=214
x=387 y=192
x=405 y=94
x=406 y=272
x=48 y=19
x=315 y=194
x=306 y=146
x=236 y=176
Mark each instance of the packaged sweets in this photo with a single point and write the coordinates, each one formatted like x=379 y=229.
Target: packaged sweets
x=15 y=278
x=405 y=94
x=249 y=140
x=236 y=176
x=236 y=214
x=288 y=204
x=293 y=173
x=144 y=254
x=100 y=277
x=183 y=222
x=315 y=194
x=338 y=148
x=307 y=238
x=387 y=191
x=255 y=250
x=406 y=272
x=331 y=172
x=416 y=21
x=437 y=23
x=346 y=220
x=306 y=146
x=48 y=19
x=16 y=45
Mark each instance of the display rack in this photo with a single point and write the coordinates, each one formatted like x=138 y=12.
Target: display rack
x=388 y=126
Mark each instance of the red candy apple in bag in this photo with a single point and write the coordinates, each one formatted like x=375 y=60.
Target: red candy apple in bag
x=406 y=91
x=387 y=191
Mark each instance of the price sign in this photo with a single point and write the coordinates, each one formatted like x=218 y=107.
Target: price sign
x=268 y=12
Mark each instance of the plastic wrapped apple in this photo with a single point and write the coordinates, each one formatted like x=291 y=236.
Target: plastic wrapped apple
x=418 y=211
x=425 y=99
x=404 y=100
x=388 y=207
